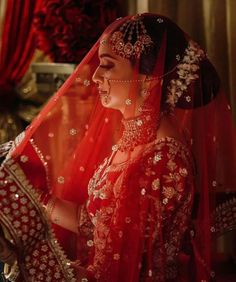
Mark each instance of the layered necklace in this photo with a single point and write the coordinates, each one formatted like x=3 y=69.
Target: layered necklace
x=139 y=130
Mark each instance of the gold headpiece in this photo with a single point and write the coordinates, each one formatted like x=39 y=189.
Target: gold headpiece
x=133 y=30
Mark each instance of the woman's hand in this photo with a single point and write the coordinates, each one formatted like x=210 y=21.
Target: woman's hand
x=61 y=212
x=7 y=253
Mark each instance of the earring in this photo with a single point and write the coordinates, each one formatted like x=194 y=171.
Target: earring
x=107 y=99
x=108 y=84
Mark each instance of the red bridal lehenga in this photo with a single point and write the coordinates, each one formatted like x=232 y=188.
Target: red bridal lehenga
x=152 y=217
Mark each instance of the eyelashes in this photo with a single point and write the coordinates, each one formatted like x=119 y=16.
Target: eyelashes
x=106 y=66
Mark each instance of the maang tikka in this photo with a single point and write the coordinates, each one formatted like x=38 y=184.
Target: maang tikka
x=133 y=30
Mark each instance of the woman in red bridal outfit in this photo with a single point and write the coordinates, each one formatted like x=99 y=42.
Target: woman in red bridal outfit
x=128 y=157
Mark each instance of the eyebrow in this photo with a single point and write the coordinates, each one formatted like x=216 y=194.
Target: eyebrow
x=106 y=55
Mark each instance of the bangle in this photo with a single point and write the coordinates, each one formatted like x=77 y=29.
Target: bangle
x=11 y=273
x=44 y=198
x=51 y=205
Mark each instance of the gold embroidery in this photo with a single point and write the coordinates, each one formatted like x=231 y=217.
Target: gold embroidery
x=171 y=165
x=116 y=256
x=183 y=172
x=156 y=184
x=36 y=231
x=168 y=192
x=157 y=157
x=158 y=191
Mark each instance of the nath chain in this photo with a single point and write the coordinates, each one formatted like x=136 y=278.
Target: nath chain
x=141 y=80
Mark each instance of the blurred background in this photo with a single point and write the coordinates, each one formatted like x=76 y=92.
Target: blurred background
x=42 y=41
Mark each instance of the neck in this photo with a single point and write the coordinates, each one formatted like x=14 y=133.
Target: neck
x=138 y=130
x=132 y=110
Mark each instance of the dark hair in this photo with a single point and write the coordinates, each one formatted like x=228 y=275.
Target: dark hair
x=176 y=41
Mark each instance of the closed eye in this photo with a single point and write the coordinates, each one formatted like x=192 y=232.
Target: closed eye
x=106 y=66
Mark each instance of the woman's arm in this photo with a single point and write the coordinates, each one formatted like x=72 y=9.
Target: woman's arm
x=63 y=213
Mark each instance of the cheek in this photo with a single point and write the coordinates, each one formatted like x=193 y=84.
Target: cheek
x=120 y=88
x=119 y=91
x=108 y=74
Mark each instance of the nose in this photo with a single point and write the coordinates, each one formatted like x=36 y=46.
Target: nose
x=97 y=76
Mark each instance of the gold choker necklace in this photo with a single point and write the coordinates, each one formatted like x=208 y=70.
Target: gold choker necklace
x=138 y=131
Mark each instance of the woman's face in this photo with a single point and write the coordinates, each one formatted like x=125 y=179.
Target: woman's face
x=113 y=94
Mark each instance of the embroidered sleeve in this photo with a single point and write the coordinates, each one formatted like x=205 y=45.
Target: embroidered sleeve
x=168 y=185
x=5 y=148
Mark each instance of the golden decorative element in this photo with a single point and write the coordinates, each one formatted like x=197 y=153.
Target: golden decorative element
x=224 y=217
x=138 y=131
x=32 y=224
x=134 y=30
x=187 y=72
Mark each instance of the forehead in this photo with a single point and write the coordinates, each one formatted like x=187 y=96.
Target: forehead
x=106 y=49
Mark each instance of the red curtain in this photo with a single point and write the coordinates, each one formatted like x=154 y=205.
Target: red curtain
x=18 y=45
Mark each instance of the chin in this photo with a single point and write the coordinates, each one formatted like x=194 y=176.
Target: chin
x=105 y=105
x=110 y=105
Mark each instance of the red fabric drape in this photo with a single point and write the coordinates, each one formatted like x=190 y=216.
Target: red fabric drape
x=18 y=45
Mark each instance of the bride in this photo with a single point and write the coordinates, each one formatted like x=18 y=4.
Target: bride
x=122 y=161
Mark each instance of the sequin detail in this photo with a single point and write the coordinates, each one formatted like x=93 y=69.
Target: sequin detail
x=26 y=221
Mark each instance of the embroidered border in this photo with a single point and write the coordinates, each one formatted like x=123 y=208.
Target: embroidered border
x=28 y=225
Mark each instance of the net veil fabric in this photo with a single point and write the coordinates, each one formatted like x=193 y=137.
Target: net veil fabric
x=155 y=208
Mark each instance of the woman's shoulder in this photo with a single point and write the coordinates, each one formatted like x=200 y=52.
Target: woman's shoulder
x=158 y=152
x=167 y=158
x=169 y=139
x=166 y=153
x=167 y=145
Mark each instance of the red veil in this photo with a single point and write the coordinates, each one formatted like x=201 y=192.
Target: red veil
x=69 y=139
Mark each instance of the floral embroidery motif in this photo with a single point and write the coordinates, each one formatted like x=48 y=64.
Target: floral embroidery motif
x=156 y=184
x=24 y=159
x=163 y=191
x=143 y=191
x=90 y=243
x=168 y=192
x=187 y=71
x=73 y=131
x=116 y=256
x=226 y=213
x=171 y=165
x=60 y=180
x=86 y=82
x=160 y=20
x=183 y=172
x=157 y=158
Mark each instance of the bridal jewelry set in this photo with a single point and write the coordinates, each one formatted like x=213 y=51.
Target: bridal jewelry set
x=139 y=130
x=127 y=32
